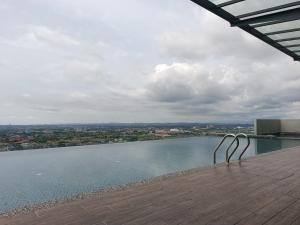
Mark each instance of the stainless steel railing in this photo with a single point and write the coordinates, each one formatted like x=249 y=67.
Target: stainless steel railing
x=235 y=139
x=244 y=150
x=220 y=144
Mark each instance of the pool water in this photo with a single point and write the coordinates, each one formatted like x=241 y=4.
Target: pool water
x=37 y=176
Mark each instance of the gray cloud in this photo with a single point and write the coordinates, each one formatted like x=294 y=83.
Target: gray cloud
x=228 y=91
x=90 y=61
x=51 y=37
x=214 y=40
x=182 y=82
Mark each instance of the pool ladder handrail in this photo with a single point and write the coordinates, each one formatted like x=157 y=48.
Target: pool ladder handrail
x=244 y=150
x=236 y=139
x=222 y=141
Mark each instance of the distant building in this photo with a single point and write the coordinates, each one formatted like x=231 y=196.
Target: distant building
x=277 y=127
x=175 y=130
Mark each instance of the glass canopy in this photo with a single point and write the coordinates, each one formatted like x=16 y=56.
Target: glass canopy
x=276 y=22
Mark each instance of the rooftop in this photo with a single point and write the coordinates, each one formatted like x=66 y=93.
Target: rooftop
x=261 y=190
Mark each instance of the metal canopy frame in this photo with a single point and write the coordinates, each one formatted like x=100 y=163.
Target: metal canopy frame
x=269 y=19
x=250 y=21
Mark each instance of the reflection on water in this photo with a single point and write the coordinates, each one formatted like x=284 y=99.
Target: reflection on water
x=267 y=145
x=29 y=177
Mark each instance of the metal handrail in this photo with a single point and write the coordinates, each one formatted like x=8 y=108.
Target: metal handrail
x=236 y=147
x=224 y=138
x=244 y=150
x=240 y=157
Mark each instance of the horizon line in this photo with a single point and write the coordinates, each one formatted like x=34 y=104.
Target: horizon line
x=108 y=123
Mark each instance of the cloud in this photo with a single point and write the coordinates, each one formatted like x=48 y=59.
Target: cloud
x=51 y=37
x=221 y=72
x=212 y=38
x=183 y=82
x=224 y=92
x=89 y=61
x=83 y=71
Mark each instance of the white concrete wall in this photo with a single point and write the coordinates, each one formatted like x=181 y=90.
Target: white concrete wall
x=267 y=126
x=290 y=126
x=276 y=126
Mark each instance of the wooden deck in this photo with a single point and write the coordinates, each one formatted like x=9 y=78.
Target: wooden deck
x=262 y=190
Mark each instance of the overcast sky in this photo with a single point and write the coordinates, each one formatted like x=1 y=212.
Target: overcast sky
x=85 y=61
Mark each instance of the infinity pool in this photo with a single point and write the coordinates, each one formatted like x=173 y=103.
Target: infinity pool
x=31 y=177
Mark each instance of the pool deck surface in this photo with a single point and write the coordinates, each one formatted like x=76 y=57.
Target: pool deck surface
x=261 y=190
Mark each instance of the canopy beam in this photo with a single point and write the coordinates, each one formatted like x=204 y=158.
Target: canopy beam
x=283 y=31
x=224 y=4
x=273 y=18
x=287 y=39
x=271 y=9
